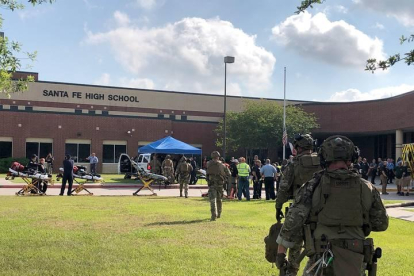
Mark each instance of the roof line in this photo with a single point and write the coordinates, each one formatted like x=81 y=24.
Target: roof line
x=169 y=91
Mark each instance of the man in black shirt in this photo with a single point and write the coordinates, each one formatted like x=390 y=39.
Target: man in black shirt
x=364 y=167
x=67 y=175
x=257 y=183
x=231 y=188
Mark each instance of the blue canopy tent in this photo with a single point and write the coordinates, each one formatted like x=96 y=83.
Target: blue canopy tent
x=169 y=145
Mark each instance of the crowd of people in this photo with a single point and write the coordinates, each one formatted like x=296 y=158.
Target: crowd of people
x=387 y=170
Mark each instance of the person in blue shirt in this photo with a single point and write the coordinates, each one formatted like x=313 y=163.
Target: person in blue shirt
x=390 y=167
x=93 y=160
x=269 y=172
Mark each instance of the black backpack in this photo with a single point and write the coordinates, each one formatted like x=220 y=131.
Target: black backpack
x=270 y=242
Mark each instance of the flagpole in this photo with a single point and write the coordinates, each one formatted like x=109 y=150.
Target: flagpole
x=284 y=115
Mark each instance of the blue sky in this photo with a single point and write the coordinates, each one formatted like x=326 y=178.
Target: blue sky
x=179 y=45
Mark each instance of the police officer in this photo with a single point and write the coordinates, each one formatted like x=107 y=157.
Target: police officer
x=67 y=175
x=183 y=172
x=297 y=172
x=168 y=168
x=216 y=176
x=335 y=211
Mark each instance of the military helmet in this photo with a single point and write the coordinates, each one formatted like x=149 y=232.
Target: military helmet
x=338 y=148
x=303 y=141
x=215 y=154
x=168 y=156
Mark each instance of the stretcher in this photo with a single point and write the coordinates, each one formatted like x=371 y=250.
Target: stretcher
x=81 y=177
x=32 y=178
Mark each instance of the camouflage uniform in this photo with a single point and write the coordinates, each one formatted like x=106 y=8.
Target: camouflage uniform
x=341 y=208
x=155 y=166
x=216 y=175
x=296 y=173
x=168 y=169
x=183 y=171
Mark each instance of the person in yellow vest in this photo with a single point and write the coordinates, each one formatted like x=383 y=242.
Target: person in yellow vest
x=243 y=177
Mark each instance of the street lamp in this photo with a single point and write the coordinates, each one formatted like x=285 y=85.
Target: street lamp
x=227 y=59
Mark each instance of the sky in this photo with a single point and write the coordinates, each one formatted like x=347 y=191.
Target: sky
x=179 y=45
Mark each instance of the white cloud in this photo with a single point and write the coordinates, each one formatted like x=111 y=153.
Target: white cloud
x=336 y=42
x=146 y=4
x=188 y=55
x=379 y=26
x=137 y=83
x=104 y=79
x=337 y=8
x=401 y=10
x=121 y=19
x=352 y=95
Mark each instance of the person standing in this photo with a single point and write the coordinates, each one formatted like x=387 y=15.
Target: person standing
x=243 y=179
x=364 y=167
x=337 y=210
x=399 y=172
x=93 y=160
x=193 y=175
x=373 y=171
x=42 y=169
x=67 y=175
x=155 y=165
x=269 y=172
x=183 y=172
x=383 y=176
x=390 y=170
x=49 y=163
x=216 y=175
x=204 y=163
x=298 y=171
x=168 y=168
x=232 y=186
x=406 y=180
x=257 y=180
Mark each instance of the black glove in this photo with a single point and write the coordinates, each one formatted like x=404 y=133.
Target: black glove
x=279 y=214
x=281 y=260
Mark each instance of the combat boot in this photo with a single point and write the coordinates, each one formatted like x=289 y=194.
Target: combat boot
x=213 y=218
x=219 y=215
x=181 y=193
x=186 y=195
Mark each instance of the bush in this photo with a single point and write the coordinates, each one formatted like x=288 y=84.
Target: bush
x=5 y=163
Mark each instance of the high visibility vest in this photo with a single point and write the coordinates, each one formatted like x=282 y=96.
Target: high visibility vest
x=243 y=169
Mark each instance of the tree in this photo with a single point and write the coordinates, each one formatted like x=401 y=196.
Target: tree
x=372 y=63
x=260 y=125
x=9 y=51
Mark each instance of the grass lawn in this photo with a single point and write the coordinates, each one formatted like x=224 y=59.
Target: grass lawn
x=152 y=236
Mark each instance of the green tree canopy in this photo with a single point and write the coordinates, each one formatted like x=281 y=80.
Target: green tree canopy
x=10 y=61
x=260 y=125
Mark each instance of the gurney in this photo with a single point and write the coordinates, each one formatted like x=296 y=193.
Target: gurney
x=148 y=178
x=81 y=177
x=31 y=177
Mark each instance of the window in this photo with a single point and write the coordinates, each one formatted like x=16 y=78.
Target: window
x=6 y=149
x=79 y=152
x=112 y=152
x=41 y=149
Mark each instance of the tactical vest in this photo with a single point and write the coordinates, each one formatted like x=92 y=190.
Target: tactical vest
x=243 y=169
x=335 y=192
x=184 y=168
x=303 y=169
x=214 y=168
x=167 y=163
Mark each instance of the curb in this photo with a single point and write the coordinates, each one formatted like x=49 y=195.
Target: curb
x=397 y=205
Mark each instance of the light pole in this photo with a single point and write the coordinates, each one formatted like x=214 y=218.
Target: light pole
x=227 y=59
